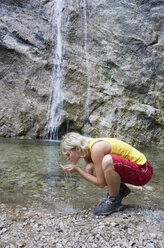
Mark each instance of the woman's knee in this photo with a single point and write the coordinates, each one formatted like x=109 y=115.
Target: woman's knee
x=107 y=162
x=89 y=168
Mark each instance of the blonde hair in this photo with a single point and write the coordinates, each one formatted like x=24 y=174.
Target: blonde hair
x=72 y=140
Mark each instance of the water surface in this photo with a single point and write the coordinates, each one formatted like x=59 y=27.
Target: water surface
x=30 y=176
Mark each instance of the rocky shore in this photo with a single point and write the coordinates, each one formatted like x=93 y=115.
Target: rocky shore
x=134 y=227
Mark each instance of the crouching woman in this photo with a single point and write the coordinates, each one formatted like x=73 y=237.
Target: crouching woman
x=108 y=162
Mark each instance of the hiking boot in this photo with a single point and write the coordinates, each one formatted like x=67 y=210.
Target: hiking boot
x=109 y=205
x=124 y=190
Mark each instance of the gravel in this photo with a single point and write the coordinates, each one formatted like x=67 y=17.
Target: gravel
x=27 y=227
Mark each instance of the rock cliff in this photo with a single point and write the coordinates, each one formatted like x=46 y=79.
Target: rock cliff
x=112 y=63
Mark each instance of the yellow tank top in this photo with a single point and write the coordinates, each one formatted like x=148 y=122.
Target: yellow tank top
x=122 y=149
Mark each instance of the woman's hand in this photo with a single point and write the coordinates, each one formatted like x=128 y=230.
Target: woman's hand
x=69 y=168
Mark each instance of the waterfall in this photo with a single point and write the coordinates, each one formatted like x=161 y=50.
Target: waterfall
x=55 y=103
x=87 y=68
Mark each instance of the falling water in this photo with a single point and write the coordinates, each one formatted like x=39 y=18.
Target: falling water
x=55 y=104
x=87 y=67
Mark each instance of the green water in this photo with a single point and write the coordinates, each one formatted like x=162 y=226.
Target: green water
x=30 y=176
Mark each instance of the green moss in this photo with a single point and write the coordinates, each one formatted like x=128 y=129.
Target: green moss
x=96 y=122
x=161 y=101
x=71 y=109
x=74 y=77
x=113 y=129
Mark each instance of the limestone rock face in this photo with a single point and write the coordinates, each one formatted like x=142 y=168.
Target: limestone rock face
x=113 y=68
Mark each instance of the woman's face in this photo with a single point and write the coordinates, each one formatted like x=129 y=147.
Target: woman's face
x=73 y=155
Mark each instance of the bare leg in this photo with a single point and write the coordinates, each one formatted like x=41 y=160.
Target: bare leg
x=112 y=178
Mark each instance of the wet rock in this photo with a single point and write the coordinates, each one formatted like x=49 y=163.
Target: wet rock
x=125 y=57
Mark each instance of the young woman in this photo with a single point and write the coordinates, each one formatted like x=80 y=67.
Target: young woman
x=108 y=162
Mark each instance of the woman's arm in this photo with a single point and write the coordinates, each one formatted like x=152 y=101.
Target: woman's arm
x=99 y=150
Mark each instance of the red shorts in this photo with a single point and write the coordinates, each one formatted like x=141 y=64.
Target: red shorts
x=132 y=173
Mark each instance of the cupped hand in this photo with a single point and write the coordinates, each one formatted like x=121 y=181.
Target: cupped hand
x=69 y=168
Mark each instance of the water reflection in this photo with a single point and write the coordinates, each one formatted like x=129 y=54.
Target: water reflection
x=30 y=175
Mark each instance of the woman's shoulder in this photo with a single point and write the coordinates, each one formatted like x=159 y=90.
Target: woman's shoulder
x=100 y=146
x=94 y=141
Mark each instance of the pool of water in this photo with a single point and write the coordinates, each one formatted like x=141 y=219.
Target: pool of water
x=30 y=176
